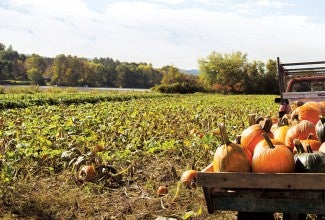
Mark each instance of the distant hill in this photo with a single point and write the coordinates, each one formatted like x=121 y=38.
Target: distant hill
x=192 y=71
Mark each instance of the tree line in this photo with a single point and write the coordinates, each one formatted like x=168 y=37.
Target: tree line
x=67 y=70
x=223 y=73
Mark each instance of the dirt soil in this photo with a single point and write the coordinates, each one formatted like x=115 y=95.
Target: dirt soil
x=133 y=195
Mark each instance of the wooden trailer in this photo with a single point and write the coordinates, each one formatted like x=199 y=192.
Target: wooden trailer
x=259 y=195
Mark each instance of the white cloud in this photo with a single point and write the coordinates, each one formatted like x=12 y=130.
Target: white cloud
x=149 y=31
x=169 y=1
x=269 y=3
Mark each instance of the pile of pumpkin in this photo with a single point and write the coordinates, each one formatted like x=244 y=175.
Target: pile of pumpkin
x=293 y=143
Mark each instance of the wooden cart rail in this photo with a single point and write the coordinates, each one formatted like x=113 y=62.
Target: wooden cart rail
x=293 y=193
x=231 y=180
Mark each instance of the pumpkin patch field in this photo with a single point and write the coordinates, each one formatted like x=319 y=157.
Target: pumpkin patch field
x=117 y=158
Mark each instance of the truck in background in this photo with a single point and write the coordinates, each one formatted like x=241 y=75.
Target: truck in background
x=300 y=82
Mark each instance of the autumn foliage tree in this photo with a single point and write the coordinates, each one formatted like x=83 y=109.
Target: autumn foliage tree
x=232 y=73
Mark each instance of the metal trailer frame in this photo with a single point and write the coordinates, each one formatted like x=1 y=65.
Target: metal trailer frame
x=287 y=71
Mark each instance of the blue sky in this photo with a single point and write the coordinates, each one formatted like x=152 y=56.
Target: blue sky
x=166 y=32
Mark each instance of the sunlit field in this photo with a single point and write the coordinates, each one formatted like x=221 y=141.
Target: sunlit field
x=135 y=143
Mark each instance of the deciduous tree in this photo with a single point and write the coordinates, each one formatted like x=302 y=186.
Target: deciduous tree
x=35 y=76
x=226 y=70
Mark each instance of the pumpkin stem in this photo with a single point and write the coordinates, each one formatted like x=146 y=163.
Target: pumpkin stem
x=283 y=121
x=238 y=139
x=259 y=119
x=310 y=136
x=268 y=141
x=299 y=147
x=309 y=150
x=266 y=124
x=251 y=119
x=223 y=133
x=322 y=119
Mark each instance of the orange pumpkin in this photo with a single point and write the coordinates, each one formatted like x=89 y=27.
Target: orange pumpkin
x=299 y=131
x=310 y=141
x=248 y=153
x=274 y=120
x=162 y=190
x=274 y=127
x=274 y=142
x=322 y=108
x=280 y=133
x=272 y=156
x=229 y=157
x=313 y=104
x=281 y=121
x=251 y=136
x=87 y=173
x=208 y=169
x=306 y=112
x=188 y=176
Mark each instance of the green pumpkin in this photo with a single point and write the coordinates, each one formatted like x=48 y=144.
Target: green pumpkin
x=308 y=162
x=320 y=129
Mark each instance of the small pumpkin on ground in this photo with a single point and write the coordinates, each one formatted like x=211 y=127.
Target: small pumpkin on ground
x=87 y=173
x=230 y=157
x=162 y=190
x=272 y=156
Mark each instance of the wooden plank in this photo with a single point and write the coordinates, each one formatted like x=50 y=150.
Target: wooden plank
x=265 y=205
x=229 y=180
x=272 y=194
x=244 y=201
x=209 y=199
